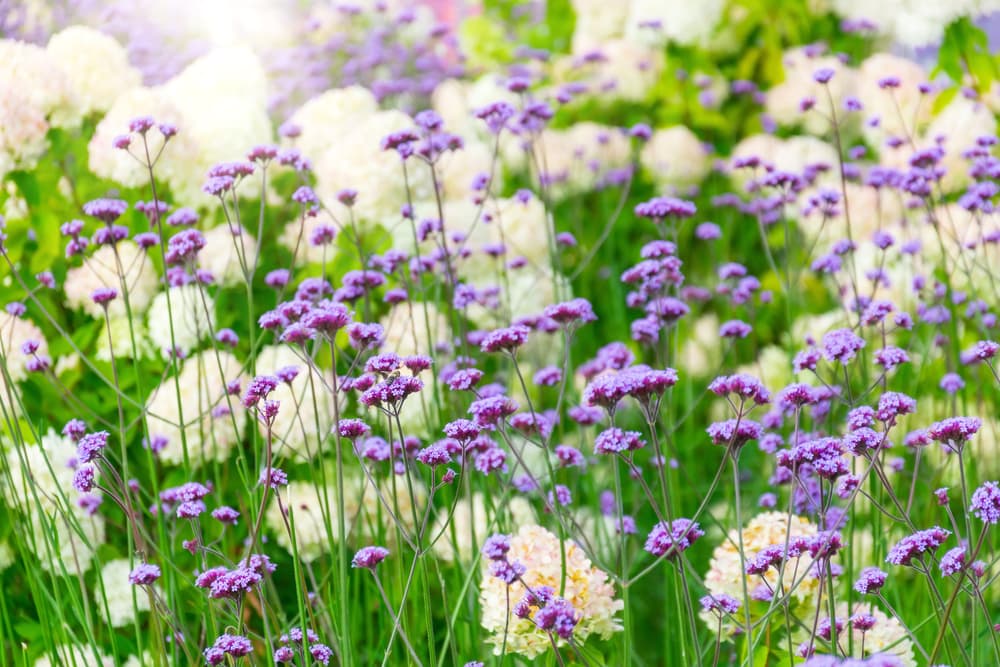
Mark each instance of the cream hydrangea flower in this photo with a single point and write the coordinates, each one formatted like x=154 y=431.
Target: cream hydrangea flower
x=193 y=314
x=77 y=655
x=57 y=542
x=314 y=510
x=23 y=130
x=886 y=637
x=14 y=333
x=37 y=75
x=901 y=112
x=102 y=270
x=469 y=525
x=122 y=330
x=574 y=159
x=327 y=118
x=40 y=474
x=227 y=250
x=306 y=410
x=587 y=589
x=210 y=426
x=675 y=156
x=961 y=123
x=359 y=163
x=677 y=21
x=115 y=590
x=628 y=71
x=725 y=576
x=596 y=23
x=783 y=100
x=412 y=328
x=96 y=65
x=109 y=162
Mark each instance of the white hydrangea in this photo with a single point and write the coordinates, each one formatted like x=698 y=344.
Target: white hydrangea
x=576 y=158
x=329 y=117
x=14 y=333
x=77 y=655
x=912 y=23
x=456 y=170
x=597 y=22
x=359 y=163
x=960 y=123
x=457 y=102
x=227 y=250
x=222 y=97
x=306 y=411
x=784 y=100
x=520 y=226
x=675 y=157
x=117 y=165
x=295 y=236
x=202 y=387
x=901 y=112
x=113 y=595
x=96 y=65
x=57 y=541
x=463 y=533
x=414 y=328
x=22 y=131
x=627 y=71
x=193 y=313
x=122 y=330
x=102 y=270
x=677 y=20
x=29 y=69
x=315 y=512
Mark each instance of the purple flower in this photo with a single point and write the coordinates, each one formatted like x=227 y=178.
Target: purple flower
x=105 y=210
x=870 y=581
x=102 y=296
x=985 y=503
x=227 y=644
x=953 y=561
x=558 y=616
x=183 y=247
x=734 y=432
x=225 y=515
x=952 y=383
x=275 y=478
x=917 y=544
x=670 y=540
x=576 y=311
x=616 y=441
x=496 y=546
x=258 y=389
x=892 y=404
x=83 y=479
x=720 y=604
x=369 y=557
x=90 y=446
x=507 y=339
x=144 y=574
x=735 y=329
x=743 y=386
x=660 y=208
x=954 y=430
x=841 y=345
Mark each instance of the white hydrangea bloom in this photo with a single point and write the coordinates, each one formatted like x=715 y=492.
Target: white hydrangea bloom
x=227 y=250
x=315 y=512
x=70 y=553
x=411 y=328
x=117 y=165
x=327 y=118
x=76 y=655
x=463 y=533
x=14 y=333
x=306 y=412
x=122 y=331
x=960 y=123
x=296 y=235
x=96 y=65
x=22 y=131
x=222 y=97
x=912 y=23
x=457 y=103
x=901 y=112
x=596 y=23
x=574 y=159
x=456 y=170
x=784 y=100
x=102 y=270
x=212 y=422
x=675 y=157
x=627 y=71
x=115 y=591
x=37 y=75
x=359 y=163
x=674 y=20
x=193 y=313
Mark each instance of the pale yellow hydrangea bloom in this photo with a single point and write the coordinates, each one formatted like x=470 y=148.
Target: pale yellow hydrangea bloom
x=587 y=588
